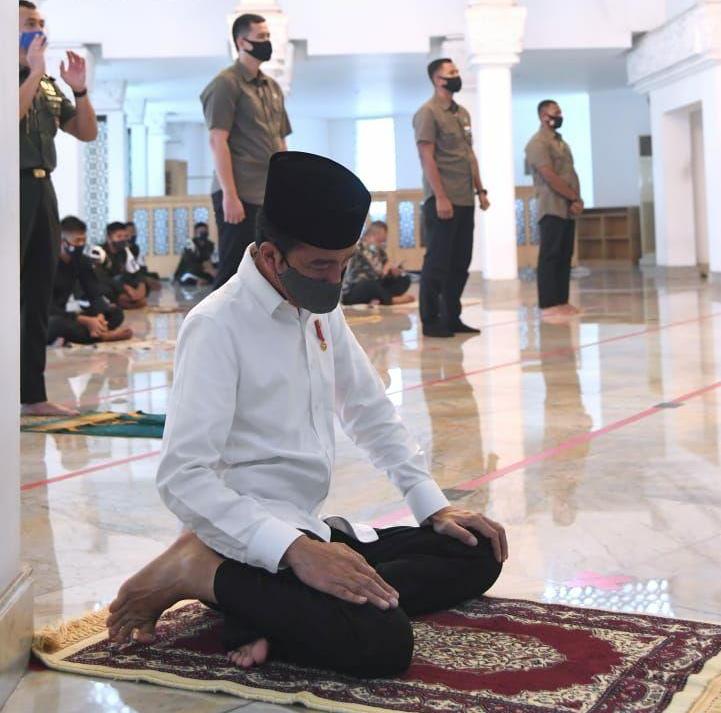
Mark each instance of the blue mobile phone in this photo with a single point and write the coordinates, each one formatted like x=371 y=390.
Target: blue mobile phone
x=27 y=37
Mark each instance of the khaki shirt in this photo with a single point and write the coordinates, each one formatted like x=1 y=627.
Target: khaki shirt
x=50 y=110
x=252 y=109
x=449 y=129
x=547 y=148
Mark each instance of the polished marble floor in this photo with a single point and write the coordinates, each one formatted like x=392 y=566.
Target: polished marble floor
x=597 y=443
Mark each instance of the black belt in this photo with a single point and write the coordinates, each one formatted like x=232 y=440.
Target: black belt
x=35 y=172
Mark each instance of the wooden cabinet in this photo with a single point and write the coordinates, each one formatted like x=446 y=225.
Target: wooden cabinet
x=609 y=234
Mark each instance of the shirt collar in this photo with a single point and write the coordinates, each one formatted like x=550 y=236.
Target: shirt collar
x=260 y=78
x=268 y=297
x=453 y=107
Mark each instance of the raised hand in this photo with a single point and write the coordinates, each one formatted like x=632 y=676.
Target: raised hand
x=75 y=74
x=36 y=55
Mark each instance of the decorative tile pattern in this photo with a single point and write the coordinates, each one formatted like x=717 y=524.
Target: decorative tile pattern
x=407 y=221
x=140 y=218
x=181 y=229
x=161 y=243
x=201 y=214
x=533 y=217
x=95 y=185
x=520 y=222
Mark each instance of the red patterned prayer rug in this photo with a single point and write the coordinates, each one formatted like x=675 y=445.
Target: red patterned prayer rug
x=488 y=656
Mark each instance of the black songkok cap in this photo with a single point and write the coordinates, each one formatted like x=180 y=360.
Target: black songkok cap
x=314 y=200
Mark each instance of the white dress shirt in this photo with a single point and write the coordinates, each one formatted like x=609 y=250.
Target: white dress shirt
x=249 y=439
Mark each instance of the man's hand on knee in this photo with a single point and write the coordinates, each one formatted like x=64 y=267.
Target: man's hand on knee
x=338 y=570
x=458 y=523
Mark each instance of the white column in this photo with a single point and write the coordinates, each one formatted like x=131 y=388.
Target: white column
x=108 y=100
x=494 y=37
x=135 y=119
x=68 y=176
x=156 y=154
x=712 y=149
x=15 y=586
x=280 y=66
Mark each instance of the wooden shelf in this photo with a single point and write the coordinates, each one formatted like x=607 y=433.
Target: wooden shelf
x=609 y=234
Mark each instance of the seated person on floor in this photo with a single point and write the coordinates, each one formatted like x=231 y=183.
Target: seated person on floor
x=120 y=273
x=370 y=278
x=248 y=455
x=152 y=279
x=195 y=266
x=100 y=321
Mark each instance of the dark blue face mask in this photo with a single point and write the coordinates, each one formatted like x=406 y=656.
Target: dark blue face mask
x=27 y=37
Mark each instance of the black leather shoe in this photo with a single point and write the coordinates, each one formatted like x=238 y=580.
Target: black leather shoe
x=461 y=328
x=437 y=330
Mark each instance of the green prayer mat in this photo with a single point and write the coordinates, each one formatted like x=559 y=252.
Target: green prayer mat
x=135 y=424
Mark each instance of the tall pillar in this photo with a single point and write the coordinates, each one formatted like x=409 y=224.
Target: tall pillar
x=678 y=65
x=108 y=99
x=68 y=177
x=138 y=154
x=494 y=33
x=280 y=66
x=156 y=153
x=16 y=599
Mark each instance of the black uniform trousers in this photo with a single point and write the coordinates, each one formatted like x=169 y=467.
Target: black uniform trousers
x=233 y=238
x=554 y=260
x=431 y=572
x=68 y=327
x=383 y=289
x=39 y=253
x=449 y=247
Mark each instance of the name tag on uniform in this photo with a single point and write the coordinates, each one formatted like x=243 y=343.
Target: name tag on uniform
x=48 y=88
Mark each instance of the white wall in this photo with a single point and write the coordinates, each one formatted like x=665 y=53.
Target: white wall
x=576 y=132
x=618 y=118
x=676 y=7
x=10 y=314
x=189 y=142
x=408 y=165
x=310 y=134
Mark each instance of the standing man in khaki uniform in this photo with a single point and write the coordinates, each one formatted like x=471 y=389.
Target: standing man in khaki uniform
x=450 y=177
x=245 y=114
x=43 y=110
x=559 y=202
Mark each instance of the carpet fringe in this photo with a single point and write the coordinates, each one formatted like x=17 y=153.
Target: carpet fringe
x=51 y=639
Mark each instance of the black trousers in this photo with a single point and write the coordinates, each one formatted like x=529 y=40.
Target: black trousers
x=39 y=253
x=68 y=327
x=233 y=238
x=383 y=289
x=431 y=572
x=554 y=260
x=449 y=247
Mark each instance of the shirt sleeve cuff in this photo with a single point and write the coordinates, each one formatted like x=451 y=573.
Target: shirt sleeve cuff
x=270 y=543
x=425 y=499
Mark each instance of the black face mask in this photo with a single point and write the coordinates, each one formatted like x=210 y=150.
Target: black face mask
x=119 y=245
x=556 y=122
x=453 y=84
x=202 y=235
x=75 y=251
x=262 y=51
x=316 y=296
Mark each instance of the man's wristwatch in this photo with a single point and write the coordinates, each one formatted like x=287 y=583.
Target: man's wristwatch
x=80 y=94
x=482 y=192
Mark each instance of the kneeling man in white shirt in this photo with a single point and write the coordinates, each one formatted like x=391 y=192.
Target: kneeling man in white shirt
x=263 y=365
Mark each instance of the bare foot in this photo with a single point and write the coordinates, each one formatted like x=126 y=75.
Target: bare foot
x=403 y=299
x=186 y=570
x=549 y=311
x=47 y=408
x=569 y=309
x=250 y=655
x=374 y=303
x=117 y=335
